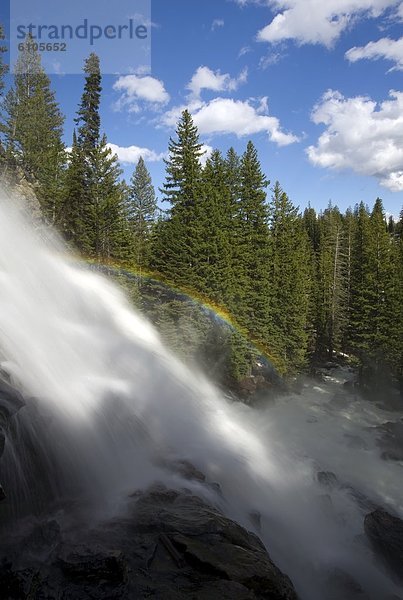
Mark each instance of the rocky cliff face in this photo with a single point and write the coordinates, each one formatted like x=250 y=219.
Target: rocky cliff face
x=15 y=184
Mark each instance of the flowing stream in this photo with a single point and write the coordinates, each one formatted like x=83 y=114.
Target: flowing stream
x=107 y=406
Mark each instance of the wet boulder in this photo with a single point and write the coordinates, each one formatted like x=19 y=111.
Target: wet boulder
x=214 y=547
x=385 y=533
x=167 y=544
x=327 y=479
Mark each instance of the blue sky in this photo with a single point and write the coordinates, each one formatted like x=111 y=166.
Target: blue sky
x=317 y=85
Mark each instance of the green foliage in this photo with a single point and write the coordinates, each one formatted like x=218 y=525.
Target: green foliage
x=331 y=288
x=33 y=130
x=94 y=214
x=3 y=71
x=180 y=240
x=183 y=168
x=215 y=275
x=141 y=212
x=251 y=236
x=375 y=319
x=290 y=283
x=3 y=66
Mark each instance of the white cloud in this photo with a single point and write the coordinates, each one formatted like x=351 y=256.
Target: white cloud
x=267 y=61
x=208 y=150
x=244 y=50
x=385 y=48
x=246 y=2
x=318 y=21
x=396 y=218
x=216 y=24
x=136 y=89
x=140 y=19
x=172 y=116
x=206 y=79
x=361 y=135
x=130 y=154
x=227 y=116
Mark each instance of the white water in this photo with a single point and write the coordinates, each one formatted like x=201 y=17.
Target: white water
x=112 y=401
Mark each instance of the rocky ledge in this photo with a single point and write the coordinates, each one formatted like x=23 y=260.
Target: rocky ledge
x=385 y=533
x=169 y=545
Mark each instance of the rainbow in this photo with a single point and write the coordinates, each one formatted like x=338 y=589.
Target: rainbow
x=218 y=311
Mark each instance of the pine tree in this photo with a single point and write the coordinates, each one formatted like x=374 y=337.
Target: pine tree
x=142 y=212
x=109 y=231
x=214 y=216
x=183 y=168
x=391 y=225
x=359 y=323
x=3 y=71
x=33 y=130
x=290 y=283
x=177 y=248
x=311 y=223
x=233 y=177
x=374 y=297
x=233 y=182
x=331 y=290
x=347 y=244
x=75 y=208
x=3 y=66
x=397 y=345
x=94 y=215
x=384 y=297
x=252 y=245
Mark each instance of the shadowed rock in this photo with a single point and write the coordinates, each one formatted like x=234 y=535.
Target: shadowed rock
x=385 y=533
x=10 y=403
x=170 y=545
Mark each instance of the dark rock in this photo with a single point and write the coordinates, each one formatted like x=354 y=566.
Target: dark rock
x=327 y=479
x=187 y=470
x=394 y=455
x=361 y=499
x=391 y=440
x=94 y=567
x=15 y=182
x=10 y=403
x=210 y=543
x=329 y=365
x=225 y=590
x=385 y=533
x=43 y=539
x=169 y=545
x=17 y=584
x=256 y=519
x=248 y=385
